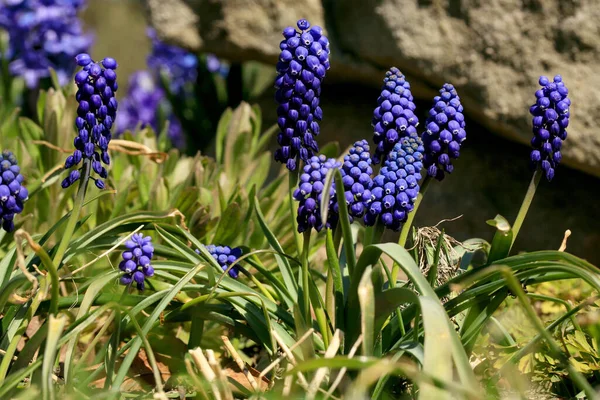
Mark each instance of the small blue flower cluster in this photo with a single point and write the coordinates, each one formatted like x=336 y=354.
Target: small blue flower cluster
x=303 y=62
x=144 y=97
x=445 y=132
x=136 y=260
x=550 y=120
x=356 y=174
x=225 y=256
x=12 y=192
x=394 y=191
x=180 y=66
x=310 y=192
x=394 y=116
x=97 y=84
x=43 y=34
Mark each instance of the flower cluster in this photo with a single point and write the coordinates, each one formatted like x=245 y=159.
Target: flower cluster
x=394 y=191
x=140 y=106
x=225 y=256
x=394 y=116
x=12 y=192
x=550 y=120
x=303 y=62
x=97 y=84
x=179 y=65
x=356 y=174
x=445 y=132
x=310 y=192
x=136 y=260
x=43 y=34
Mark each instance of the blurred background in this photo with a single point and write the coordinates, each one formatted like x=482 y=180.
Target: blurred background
x=492 y=51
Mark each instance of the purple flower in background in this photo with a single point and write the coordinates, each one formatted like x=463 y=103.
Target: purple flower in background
x=13 y=193
x=225 y=256
x=43 y=34
x=445 y=132
x=136 y=260
x=310 y=191
x=97 y=84
x=303 y=62
x=394 y=116
x=215 y=65
x=141 y=106
x=550 y=120
x=180 y=66
x=394 y=191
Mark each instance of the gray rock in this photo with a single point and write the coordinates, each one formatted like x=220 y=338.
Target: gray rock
x=492 y=50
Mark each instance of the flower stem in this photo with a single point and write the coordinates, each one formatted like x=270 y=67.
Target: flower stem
x=293 y=182
x=535 y=181
x=411 y=215
x=79 y=199
x=305 y=277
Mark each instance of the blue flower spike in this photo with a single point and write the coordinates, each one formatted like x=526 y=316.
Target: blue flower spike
x=225 y=256
x=13 y=194
x=136 y=265
x=310 y=191
x=97 y=85
x=551 y=113
x=394 y=116
x=394 y=190
x=303 y=63
x=445 y=132
x=356 y=174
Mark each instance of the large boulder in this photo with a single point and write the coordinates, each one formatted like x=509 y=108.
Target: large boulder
x=492 y=50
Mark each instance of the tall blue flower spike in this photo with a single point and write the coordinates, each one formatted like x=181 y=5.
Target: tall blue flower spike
x=356 y=174
x=395 y=189
x=445 y=133
x=310 y=192
x=13 y=194
x=550 y=120
x=136 y=260
x=43 y=34
x=303 y=62
x=97 y=84
x=394 y=116
x=225 y=256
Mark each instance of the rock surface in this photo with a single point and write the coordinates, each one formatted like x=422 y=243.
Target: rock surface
x=492 y=50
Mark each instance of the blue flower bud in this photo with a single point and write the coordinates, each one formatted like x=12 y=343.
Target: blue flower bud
x=550 y=120
x=395 y=188
x=445 y=133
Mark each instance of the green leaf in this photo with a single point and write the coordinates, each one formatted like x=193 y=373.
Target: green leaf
x=338 y=287
x=284 y=265
x=229 y=225
x=502 y=238
x=388 y=301
x=367 y=311
x=56 y=326
x=344 y=224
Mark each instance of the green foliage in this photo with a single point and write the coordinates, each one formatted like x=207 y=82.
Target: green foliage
x=322 y=313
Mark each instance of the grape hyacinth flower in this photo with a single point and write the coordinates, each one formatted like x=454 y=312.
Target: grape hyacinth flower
x=141 y=105
x=43 y=34
x=179 y=65
x=550 y=120
x=13 y=193
x=395 y=189
x=136 y=260
x=225 y=256
x=97 y=84
x=310 y=192
x=445 y=132
x=356 y=174
x=394 y=116
x=303 y=62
